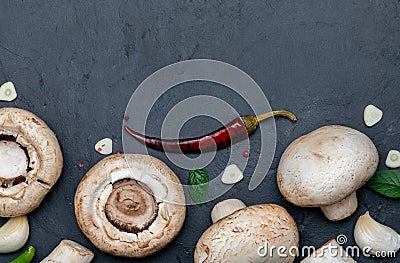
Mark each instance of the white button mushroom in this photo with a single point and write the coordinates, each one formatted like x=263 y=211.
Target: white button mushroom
x=330 y=252
x=130 y=205
x=324 y=169
x=30 y=161
x=248 y=235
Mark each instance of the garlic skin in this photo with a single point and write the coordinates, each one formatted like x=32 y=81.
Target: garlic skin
x=14 y=234
x=368 y=233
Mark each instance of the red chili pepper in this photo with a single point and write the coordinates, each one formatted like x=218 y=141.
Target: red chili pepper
x=233 y=132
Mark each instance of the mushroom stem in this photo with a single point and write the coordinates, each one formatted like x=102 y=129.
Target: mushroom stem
x=329 y=252
x=225 y=208
x=69 y=251
x=341 y=209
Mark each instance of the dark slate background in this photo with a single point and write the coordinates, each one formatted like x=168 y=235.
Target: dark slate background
x=76 y=63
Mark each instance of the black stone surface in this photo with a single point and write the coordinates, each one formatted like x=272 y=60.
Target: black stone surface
x=76 y=63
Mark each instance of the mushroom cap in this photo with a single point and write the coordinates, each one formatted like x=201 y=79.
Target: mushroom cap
x=237 y=237
x=45 y=161
x=108 y=175
x=326 y=165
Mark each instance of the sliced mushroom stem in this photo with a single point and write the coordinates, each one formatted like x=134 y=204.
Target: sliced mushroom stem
x=341 y=209
x=225 y=208
x=69 y=251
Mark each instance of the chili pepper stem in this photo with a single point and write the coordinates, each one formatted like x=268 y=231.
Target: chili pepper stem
x=25 y=257
x=277 y=113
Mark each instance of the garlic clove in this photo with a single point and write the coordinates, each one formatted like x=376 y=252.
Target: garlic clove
x=374 y=237
x=14 y=234
x=8 y=92
x=225 y=208
x=104 y=146
x=393 y=159
x=372 y=115
x=232 y=174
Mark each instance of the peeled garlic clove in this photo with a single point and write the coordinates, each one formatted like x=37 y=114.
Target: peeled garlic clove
x=69 y=251
x=14 y=234
x=8 y=92
x=374 y=237
x=225 y=208
x=104 y=146
x=232 y=174
x=372 y=115
x=393 y=159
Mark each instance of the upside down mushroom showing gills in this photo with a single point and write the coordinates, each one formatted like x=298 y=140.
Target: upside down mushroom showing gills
x=247 y=234
x=325 y=168
x=30 y=161
x=130 y=205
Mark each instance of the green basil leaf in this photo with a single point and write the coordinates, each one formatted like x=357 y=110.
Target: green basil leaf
x=198 y=185
x=386 y=183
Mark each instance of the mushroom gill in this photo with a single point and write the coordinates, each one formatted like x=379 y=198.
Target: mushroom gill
x=14 y=161
x=131 y=206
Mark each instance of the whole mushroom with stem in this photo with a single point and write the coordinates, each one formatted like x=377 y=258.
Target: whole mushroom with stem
x=130 y=205
x=242 y=233
x=325 y=168
x=30 y=161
